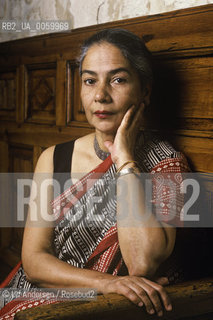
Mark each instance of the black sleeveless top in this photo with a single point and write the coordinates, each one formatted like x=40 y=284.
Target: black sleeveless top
x=62 y=159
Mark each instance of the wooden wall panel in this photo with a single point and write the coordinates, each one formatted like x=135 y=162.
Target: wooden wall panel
x=21 y=160
x=75 y=111
x=41 y=93
x=8 y=95
x=188 y=31
x=37 y=150
x=183 y=96
x=4 y=156
x=5 y=233
x=61 y=93
x=196 y=83
x=199 y=152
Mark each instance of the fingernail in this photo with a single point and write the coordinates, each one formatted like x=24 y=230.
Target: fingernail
x=165 y=279
x=152 y=311
x=160 y=313
x=140 y=304
x=169 y=307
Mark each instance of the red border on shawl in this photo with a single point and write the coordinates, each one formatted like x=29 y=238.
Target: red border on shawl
x=10 y=276
x=104 y=244
x=94 y=175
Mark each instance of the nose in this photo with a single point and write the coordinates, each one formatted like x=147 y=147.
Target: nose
x=102 y=94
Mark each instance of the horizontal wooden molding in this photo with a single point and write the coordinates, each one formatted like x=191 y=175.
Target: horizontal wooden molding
x=189 y=299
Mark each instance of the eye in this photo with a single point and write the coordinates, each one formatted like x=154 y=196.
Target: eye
x=119 y=80
x=89 y=81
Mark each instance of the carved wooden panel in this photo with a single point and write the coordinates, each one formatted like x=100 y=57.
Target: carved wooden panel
x=61 y=94
x=41 y=93
x=4 y=157
x=75 y=108
x=21 y=160
x=5 y=233
x=8 y=94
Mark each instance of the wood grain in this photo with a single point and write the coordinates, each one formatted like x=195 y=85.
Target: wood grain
x=189 y=299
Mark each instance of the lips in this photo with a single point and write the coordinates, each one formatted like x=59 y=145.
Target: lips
x=103 y=114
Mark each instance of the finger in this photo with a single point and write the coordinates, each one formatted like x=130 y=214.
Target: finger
x=136 y=116
x=129 y=293
x=126 y=121
x=142 y=296
x=140 y=112
x=154 y=298
x=162 y=293
x=142 y=106
x=163 y=281
x=109 y=145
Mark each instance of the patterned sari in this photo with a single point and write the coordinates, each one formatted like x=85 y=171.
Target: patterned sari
x=85 y=234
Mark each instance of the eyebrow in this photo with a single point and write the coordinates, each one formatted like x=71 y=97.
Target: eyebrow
x=111 y=72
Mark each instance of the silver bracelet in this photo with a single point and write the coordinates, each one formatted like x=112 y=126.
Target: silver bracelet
x=125 y=171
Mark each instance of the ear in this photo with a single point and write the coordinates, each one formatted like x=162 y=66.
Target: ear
x=147 y=94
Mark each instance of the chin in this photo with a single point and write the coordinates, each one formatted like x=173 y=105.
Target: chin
x=105 y=127
x=107 y=130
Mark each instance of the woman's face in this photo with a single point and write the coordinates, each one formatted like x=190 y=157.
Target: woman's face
x=110 y=86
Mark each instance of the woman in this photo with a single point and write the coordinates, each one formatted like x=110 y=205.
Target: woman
x=86 y=248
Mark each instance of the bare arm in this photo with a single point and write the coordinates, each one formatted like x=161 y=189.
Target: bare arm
x=41 y=266
x=145 y=243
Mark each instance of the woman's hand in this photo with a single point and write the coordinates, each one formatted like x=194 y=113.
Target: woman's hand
x=141 y=291
x=122 y=149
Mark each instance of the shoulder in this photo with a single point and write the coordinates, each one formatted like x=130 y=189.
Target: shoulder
x=155 y=150
x=45 y=161
x=85 y=142
x=84 y=147
x=84 y=157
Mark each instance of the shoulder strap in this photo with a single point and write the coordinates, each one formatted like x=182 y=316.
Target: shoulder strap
x=62 y=159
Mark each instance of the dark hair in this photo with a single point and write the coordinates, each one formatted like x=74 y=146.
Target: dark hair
x=131 y=46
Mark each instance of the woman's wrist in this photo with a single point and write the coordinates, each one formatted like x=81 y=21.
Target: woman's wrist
x=123 y=159
x=101 y=282
x=130 y=164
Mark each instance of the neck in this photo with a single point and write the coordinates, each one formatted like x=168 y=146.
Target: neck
x=102 y=137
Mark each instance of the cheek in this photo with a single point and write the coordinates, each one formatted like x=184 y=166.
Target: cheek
x=137 y=95
x=85 y=100
x=126 y=102
x=132 y=96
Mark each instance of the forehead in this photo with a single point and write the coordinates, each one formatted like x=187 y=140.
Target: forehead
x=104 y=56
